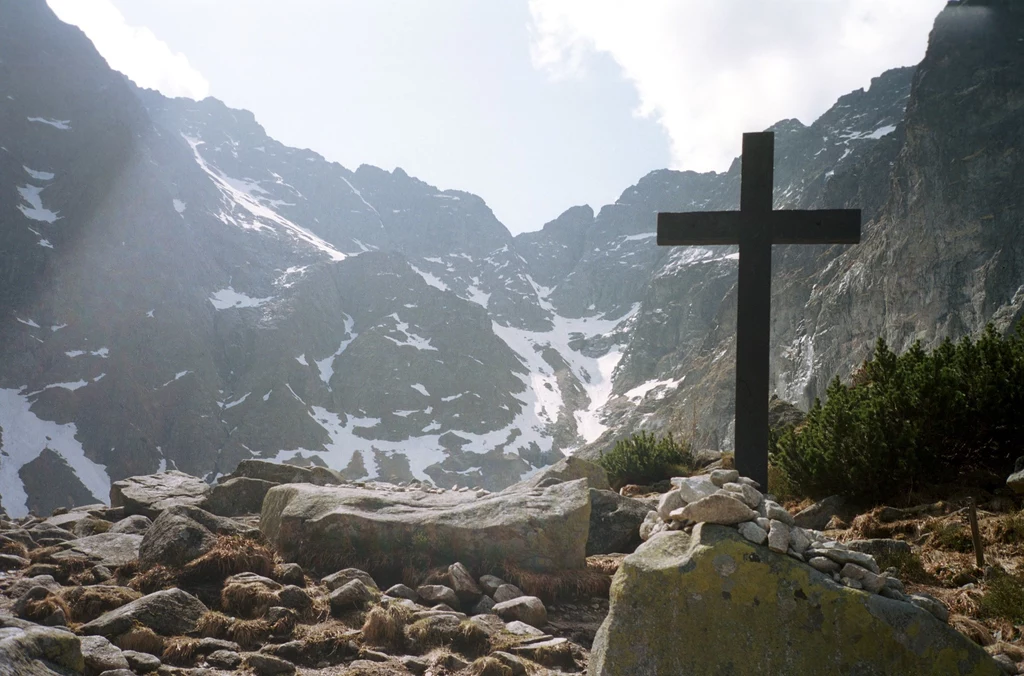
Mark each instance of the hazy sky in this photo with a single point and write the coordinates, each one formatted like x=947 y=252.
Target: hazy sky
x=535 y=105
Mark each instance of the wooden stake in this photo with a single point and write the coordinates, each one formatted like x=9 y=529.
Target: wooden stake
x=972 y=516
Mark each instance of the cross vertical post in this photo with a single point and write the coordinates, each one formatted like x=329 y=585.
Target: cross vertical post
x=753 y=318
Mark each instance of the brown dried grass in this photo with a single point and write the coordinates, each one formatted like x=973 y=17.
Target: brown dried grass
x=13 y=547
x=560 y=585
x=37 y=610
x=972 y=629
x=385 y=627
x=141 y=639
x=181 y=651
x=88 y=603
x=153 y=580
x=247 y=600
x=489 y=666
x=247 y=633
x=231 y=555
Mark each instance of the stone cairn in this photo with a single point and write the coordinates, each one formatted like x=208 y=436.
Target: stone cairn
x=724 y=497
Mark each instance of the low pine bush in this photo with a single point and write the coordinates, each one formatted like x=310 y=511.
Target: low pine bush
x=912 y=420
x=645 y=459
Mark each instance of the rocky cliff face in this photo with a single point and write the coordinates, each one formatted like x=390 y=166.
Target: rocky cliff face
x=181 y=290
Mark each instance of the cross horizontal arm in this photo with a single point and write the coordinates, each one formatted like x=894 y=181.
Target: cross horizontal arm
x=826 y=226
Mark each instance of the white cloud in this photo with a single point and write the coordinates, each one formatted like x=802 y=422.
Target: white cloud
x=708 y=70
x=133 y=50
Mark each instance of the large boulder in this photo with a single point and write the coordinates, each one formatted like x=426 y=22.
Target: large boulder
x=237 y=496
x=323 y=528
x=39 y=651
x=170 y=612
x=183 y=533
x=153 y=493
x=680 y=593
x=273 y=472
x=614 y=523
x=570 y=469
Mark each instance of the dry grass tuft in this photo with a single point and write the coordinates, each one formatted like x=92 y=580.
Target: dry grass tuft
x=868 y=526
x=1009 y=529
x=951 y=536
x=466 y=637
x=909 y=567
x=153 y=580
x=141 y=639
x=559 y=655
x=247 y=633
x=43 y=554
x=605 y=564
x=435 y=576
x=972 y=629
x=385 y=627
x=489 y=666
x=247 y=600
x=181 y=651
x=560 y=585
x=88 y=603
x=231 y=555
x=8 y=546
x=471 y=639
x=37 y=610
x=1004 y=598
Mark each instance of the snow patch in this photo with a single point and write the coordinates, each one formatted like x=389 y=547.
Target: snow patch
x=431 y=280
x=228 y=298
x=35 y=210
x=302 y=359
x=419 y=388
x=326 y=365
x=882 y=131
x=25 y=436
x=662 y=387
x=64 y=125
x=38 y=175
x=179 y=206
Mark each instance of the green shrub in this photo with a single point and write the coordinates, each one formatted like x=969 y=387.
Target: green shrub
x=645 y=459
x=912 y=420
x=1004 y=598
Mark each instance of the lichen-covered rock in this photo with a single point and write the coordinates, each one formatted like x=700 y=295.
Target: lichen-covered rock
x=108 y=549
x=680 y=593
x=535 y=528
x=237 y=496
x=153 y=493
x=39 y=651
x=170 y=612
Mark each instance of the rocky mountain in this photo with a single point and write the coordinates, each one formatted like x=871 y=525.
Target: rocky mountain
x=180 y=290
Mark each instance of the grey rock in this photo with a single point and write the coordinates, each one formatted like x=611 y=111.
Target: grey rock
x=614 y=523
x=751 y=531
x=823 y=564
x=528 y=609
x=693 y=488
x=151 y=494
x=290 y=573
x=880 y=547
x=268 y=665
x=750 y=496
x=352 y=594
x=934 y=606
x=1005 y=663
x=844 y=556
x=224 y=659
x=668 y=502
x=463 y=583
x=820 y=513
x=773 y=510
x=778 y=537
x=536 y=528
x=108 y=549
x=237 y=496
x=482 y=607
x=1016 y=482
x=39 y=651
x=489 y=584
x=513 y=662
x=346 y=575
x=13 y=562
x=720 y=477
x=571 y=469
x=272 y=472
x=717 y=508
x=170 y=612
x=438 y=593
x=799 y=540
x=101 y=655
x=507 y=592
x=136 y=524
x=174 y=540
x=142 y=663
x=868 y=580
x=400 y=591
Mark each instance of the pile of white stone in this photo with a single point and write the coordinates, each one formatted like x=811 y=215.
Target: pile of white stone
x=724 y=497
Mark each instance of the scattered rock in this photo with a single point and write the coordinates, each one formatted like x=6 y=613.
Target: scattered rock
x=174 y=540
x=268 y=665
x=484 y=606
x=717 y=508
x=346 y=575
x=463 y=584
x=352 y=594
x=170 y=612
x=151 y=494
x=136 y=524
x=720 y=477
x=13 y=562
x=507 y=592
x=749 y=495
x=489 y=584
x=528 y=609
x=669 y=502
x=570 y=469
x=820 y=513
x=880 y=547
x=101 y=655
x=272 y=472
x=142 y=663
x=438 y=593
x=224 y=659
x=751 y=531
x=108 y=549
x=400 y=591
x=290 y=573
x=932 y=605
x=1016 y=482
x=693 y=488
x=22 y=651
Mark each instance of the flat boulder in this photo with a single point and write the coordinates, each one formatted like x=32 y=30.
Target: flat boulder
x=107 y=549
x=680 y=593
x=570 y=469
x=541 y=529
x=151 y=494
x=170 y=612
x=274 y=472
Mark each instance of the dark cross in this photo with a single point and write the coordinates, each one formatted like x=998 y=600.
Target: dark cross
x=755 y=227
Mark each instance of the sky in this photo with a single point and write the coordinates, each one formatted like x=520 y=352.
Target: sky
x=535 y=105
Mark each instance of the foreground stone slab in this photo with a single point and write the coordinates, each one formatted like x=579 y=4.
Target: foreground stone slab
x=326 y=528
x=170 y=612
x=679 y=593
x=153 y=493
x=108 y=549
x=39 y=651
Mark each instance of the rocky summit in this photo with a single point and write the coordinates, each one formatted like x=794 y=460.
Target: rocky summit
x=182 y=291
